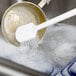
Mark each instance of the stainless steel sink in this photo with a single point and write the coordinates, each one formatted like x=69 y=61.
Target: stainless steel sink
x=54 y=39
x=56 y=7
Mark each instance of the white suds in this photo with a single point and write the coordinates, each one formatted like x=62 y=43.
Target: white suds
x=57 y=48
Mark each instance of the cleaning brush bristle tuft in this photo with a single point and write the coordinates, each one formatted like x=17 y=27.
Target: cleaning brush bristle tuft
x=33 y=43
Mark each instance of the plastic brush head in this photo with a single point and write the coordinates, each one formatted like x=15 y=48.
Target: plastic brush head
x=25 y=32
x=27 y=35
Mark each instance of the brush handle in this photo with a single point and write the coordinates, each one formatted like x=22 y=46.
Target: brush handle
x=57 y=19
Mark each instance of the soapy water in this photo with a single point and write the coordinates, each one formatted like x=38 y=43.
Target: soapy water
x=31 y=44
x=56 y=49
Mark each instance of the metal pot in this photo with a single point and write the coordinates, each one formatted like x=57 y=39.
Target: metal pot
x=18 y=14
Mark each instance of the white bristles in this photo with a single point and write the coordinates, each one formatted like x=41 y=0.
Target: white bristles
x=30 y=43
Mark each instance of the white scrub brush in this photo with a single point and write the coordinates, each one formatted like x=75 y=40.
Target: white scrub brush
x=27 y=33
